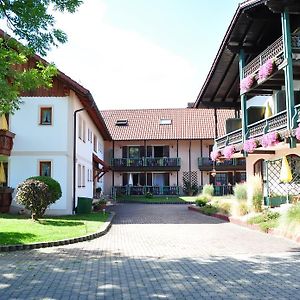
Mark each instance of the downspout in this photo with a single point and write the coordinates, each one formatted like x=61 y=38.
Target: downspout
x=177 y=158
x=74 y=155
x=190 y=162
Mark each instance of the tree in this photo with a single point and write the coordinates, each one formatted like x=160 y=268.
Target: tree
x=33 y=24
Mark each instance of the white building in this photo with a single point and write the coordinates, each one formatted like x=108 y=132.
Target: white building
x=44 y=142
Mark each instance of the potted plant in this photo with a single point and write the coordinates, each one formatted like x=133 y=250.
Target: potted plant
x=274 y=200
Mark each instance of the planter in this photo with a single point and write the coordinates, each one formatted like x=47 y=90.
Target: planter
x=275 y=201
x=6 y=142
x=5 y=199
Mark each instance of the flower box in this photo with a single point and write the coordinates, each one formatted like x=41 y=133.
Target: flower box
x=274 y=201
x=6 y=142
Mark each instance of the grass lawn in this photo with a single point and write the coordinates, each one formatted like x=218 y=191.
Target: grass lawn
x=16 y=229
x=156 y=199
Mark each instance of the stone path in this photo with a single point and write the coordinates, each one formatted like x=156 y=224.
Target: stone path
x=158 y=252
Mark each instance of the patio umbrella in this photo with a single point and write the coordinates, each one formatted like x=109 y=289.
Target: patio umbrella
x=2 y=173
x=3 y=123
x=285 y=172
x=130 y=180
x=268 y=110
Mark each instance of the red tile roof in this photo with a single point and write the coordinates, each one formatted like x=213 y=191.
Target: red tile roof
x=144 y=124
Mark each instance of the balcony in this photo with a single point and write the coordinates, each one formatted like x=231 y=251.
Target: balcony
x=274 y=51
x=206 y=164
x=142 y=190
x=6 y=142
x=145 y=164
x=232 y=138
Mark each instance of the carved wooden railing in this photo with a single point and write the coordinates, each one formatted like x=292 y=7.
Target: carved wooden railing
x=276 y=122
x=232 y=138
x=146 y=162
x=207 y=162
x=273 y=51
x=6 y=142
x=143 y=190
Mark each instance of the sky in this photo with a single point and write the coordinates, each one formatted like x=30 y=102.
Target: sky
x=142 y=53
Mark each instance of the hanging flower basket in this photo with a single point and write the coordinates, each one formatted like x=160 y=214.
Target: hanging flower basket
x=266 y=69
x=297 y=133
x=270 y=139
x=228 y=152
x=250 y=145
x=214 y=155
x=247 y=83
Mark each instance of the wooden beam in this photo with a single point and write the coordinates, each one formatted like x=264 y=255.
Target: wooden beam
x=257 y=151
x=209 y=104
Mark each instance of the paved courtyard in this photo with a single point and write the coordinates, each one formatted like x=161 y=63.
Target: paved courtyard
x=158 y=252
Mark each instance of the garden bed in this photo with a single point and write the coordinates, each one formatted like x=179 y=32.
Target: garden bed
x=21 y=230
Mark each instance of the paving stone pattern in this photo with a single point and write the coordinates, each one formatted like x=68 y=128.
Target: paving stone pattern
x=158 y=252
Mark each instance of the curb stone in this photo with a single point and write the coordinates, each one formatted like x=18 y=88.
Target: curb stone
x=105 y=228
x=148 y=202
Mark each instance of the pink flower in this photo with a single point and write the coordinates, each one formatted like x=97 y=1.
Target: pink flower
x=250 y=145
x=298 y=133
x=266 y=69
x=214 y=155
x=270 y=139
x=228 y=152
x=246 y=83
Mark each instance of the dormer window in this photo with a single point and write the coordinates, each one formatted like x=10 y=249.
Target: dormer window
x=123 y=122
x=165 y=122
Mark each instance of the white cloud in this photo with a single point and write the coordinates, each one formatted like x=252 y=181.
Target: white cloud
x=122 y=69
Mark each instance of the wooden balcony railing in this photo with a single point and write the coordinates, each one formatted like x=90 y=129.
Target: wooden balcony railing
x=277 y=122
x=150 y=162
x=6 y=142
x=206 y=162
x=274 y=51
x=143 y=190
x=232 y=138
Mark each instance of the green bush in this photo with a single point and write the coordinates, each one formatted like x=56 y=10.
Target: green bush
x=209 y=209
x=257 y=202
x=54 y=186
x=255 y=192
x=266 y=220
x=293 y=214
x=240 y=192
x=202 y=200
x=35 y=195
x=224 y=207
x=189 y=188
x=149 y=195
x=241 y=208
x=208 y=190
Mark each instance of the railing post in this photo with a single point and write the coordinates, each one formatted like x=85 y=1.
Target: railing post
x=243 y=97
x=288 y=73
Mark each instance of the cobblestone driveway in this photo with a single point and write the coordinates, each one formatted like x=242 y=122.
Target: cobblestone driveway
x=158 y=252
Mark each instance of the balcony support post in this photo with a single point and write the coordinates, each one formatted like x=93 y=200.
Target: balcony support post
x=288 y=73
x=243 y=97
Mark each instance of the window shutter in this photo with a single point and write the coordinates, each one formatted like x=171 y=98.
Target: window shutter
x=125 y=179
x=149 y=151
x=149 y=179
x=142 y=151
x=166 y=179
x=166 y=151
x=142 y=179
x=124 y=152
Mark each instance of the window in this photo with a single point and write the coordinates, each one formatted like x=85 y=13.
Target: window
x=123 y=122
x=165 y=122
x=95 y=143
x=45 y=168
x=100 y=147
x=46 y=116
x=90 y=135
x=79 y=175
x=83 y=176
x=134 y=152
x=83 y=131
x=80 y=127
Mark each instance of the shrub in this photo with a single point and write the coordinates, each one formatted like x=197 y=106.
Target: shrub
x=224 y=207
x=255 y=192
x=266 y=220
x=208 y=190
x=240 y=192
x=202 y=200
x=35 y=196
x=209 y=209
x=290 y=221
x=54 y=186
x=149 y=195
x=190 y=188
x=240 y=208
